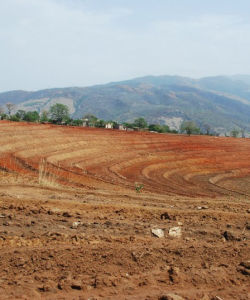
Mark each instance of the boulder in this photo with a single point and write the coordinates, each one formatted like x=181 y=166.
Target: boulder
x=75 y=224
x=175 y=232
x=158 y=232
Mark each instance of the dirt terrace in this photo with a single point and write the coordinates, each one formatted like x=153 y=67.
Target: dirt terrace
x=72 y=225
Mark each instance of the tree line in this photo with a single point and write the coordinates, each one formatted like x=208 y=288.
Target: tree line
x=59 y=114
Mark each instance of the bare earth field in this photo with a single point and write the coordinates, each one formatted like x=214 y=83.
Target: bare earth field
x=72 y=225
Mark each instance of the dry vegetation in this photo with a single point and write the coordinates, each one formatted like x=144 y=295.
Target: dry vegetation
x=73 y=226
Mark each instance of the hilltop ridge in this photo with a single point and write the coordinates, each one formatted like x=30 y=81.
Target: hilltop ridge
x=222 y=102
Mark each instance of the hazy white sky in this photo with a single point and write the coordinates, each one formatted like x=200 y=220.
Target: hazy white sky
x=59 y=43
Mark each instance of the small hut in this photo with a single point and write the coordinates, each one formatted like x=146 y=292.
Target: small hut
x=109 y=125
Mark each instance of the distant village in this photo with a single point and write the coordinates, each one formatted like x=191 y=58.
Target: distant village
x=114 y=125
x=59 y=114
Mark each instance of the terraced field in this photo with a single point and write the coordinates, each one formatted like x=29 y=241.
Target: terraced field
x=73 y=226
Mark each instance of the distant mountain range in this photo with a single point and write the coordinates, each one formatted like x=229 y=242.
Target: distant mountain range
x=222 y=102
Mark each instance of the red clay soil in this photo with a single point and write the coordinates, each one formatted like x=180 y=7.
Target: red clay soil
x=73 y=226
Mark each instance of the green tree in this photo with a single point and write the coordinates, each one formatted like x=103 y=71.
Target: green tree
x=159 y=128
x=44 y=116
x=76 y=122
x=165 y=128
x=3 y=116
x=141 y=123
x=31 y=116
x=20 y=114
x=59 y=113
x=153 y=127
x=189 y=127
x=14 y=118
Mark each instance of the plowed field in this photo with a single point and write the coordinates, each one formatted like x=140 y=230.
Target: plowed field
x=78 y=205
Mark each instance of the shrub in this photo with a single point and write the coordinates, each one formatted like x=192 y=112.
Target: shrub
x=139 y=187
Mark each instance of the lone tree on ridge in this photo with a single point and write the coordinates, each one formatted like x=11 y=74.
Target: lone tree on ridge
x=189 y=127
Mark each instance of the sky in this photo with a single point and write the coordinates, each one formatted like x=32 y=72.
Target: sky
x=61 y=43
